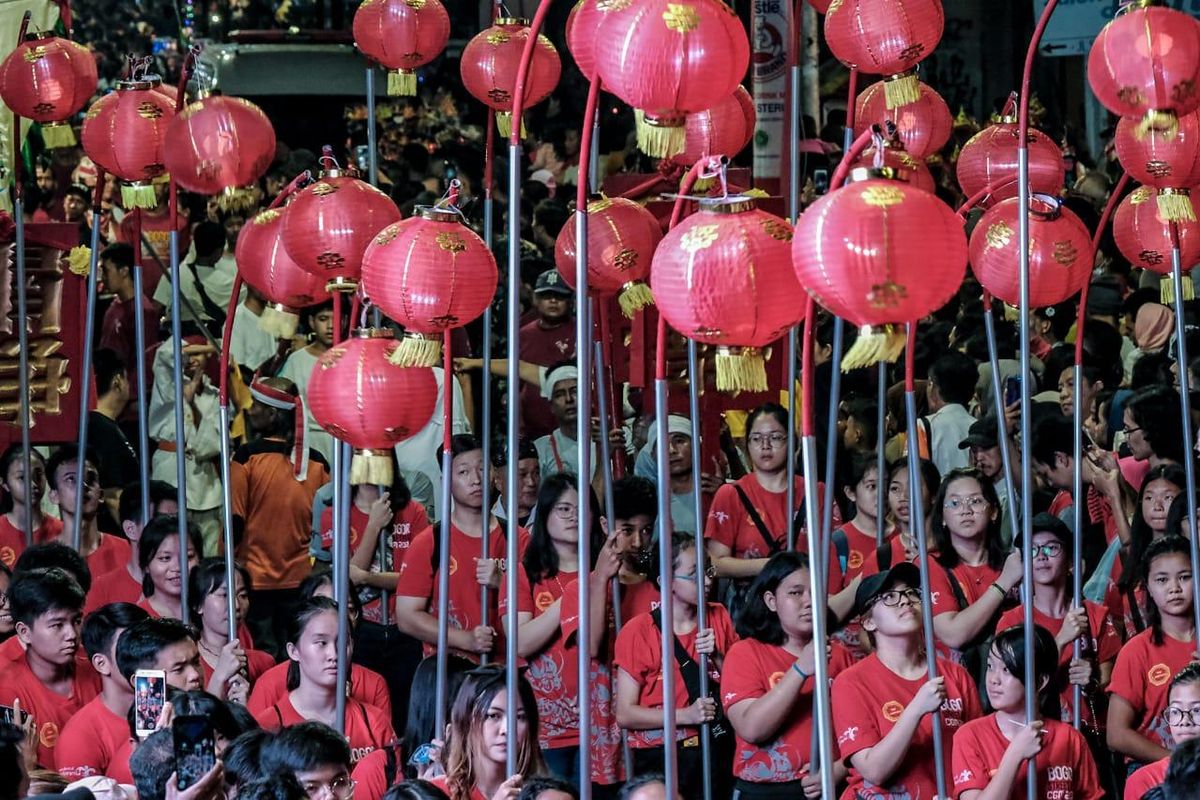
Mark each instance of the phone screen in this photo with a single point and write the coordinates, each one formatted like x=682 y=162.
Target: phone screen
x=195 y=749
x=149 y=695
x=1012 y=391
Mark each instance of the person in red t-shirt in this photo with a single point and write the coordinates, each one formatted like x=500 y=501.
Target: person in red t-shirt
x=230 y=665
x=1182 y=714
x=165 y=644
x=902 y=546
x=12 y=522
x=124 y=583
x=316 y=755
x=1138 y=690
x=546 y=340
x=882 y=705
x=1053 y=546
x=767 y=687
x=971 y=575
x=640 y=662
x=861 y=486
x=158 y=556
x=991 y=754
x=104 y=552
x=416 y=589
x=47 y=682
x=93 y=739
x=1163 y=484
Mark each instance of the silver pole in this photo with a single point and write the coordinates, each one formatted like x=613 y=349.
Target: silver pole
x=139 y=339
x=180 y=439
x=341 y=567
x=916 y=516
x=881 y=488
x=373 y=179
x=665 y=567
x=823 y=717
x=335 y=470
x=26 y=419
x=372 y=146
x=514 y=433
x=227 y=522
x=583 y=435
x=989 y=327
x=831 y=443
x=792 y=347
x=443 y=604
x=1077 y=533
x=485 y=435
x=695 y=381
x=1185 y=411
x=85 y=382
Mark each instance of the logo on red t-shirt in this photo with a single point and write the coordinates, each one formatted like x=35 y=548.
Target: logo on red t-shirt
x=543 y=601
x=1159 y=674
x=892 y=710
x=8 y=556
x=48 y=735
x=855 y=561
x=775 y=678
x=453 y=565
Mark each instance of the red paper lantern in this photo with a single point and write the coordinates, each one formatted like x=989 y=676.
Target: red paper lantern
x=989 y=158
x=886 y=37
x=1143 y=236
x=263 y=263
x=621 y=238
x=923 y=126
x=725 y=129
x=820 y=6
x=722 y=277
x=123 y=133
x=429 y=273
x=879 y=253
x=1146 y=64
x=1168 y=160
x=360 y=396
x=48 y=79
x=490 y=63
x=327 y=227
x=1060 y=252
x=581 y=26
x=401 y=36
x=907 y=168
x=668 y=59
x=219 y=143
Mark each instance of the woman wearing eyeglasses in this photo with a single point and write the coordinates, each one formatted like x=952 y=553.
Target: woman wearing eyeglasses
x=970 y=574
x=640 y=668
x=1182 y=714
x=882 y=705
x=767 y=685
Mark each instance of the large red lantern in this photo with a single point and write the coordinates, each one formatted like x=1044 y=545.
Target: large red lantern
x=265 y=265
x=401 y=36
x=429 y=273
x=668 y=59
x=218 y=143
x=1146 y=64
x=906 y=167
x=581 y=26
x=327 y=227
x=490 y=63
x=1060 y=251
x=923 y=125
x=48 y=79
x=123 y=133
x=886 y=37
x=725 y=129
x=1168 y=160
x=989 y=159
x=621 y=239
x=360 y=396
x=722 y=277
x=1143 y=235
x=879 y=253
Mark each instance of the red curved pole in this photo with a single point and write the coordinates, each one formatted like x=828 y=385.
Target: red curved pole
x=1109 y=208
x=518 y=107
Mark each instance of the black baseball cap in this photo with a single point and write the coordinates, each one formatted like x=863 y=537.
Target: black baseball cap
x=982 y=433
x=874 y=585
x=550 y=282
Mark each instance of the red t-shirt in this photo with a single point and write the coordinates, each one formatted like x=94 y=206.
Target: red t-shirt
x=974 y=581
x=442 y=784
x=112 y=552
x=543 y=347
x=1142 y=677
x=367 y=728
x=868 y=698
x=1102 y=644
x=114 y=586
x=91 y=742
x=12 y=541
x=50 y=710
x=257 y=663
x=407 y=522
x=729 y=523
x=1064 y=768
x=899 y=554
x=1096 y=510
x=366 y=686
x=639 y=654
x=860 y=548
x=370 y=776
x=419 y=578
x=752 y=669
x=1146 y=779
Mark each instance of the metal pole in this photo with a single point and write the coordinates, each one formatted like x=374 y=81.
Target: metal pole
x=85 y=382
x=794 y=80
x=139 y=339
x=583 y=435
x=989 y=327
x=1189 y=463
x=227 y=524
x=485 y=425
x=335 y=470
x=1077 y=534
x=823 y=718
x=791 y=438
x=372 y=146
x=880 y=456
x=443 y=604
x=180 y=439
x=695 y=381
x=835 y=398
x=341 y=569
x=514 y=433
x=665 y=568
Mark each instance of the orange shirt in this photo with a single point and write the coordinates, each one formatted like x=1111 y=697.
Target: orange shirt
x=12 y=541
x=50 y=710
x=366 y=686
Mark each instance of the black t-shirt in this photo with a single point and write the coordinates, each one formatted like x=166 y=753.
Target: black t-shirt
x=118 y=460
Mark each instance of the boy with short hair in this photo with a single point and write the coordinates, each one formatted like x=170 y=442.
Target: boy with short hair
x=45 y=556
x=48 y=683
x=159 y=643
x=92 y=738
x=315 y=755
x=102 y=551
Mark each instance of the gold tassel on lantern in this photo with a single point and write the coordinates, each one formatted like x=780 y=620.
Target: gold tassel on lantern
x=874 y=344
x=1175 y=205
x=371 y=466
x=279 y=321
x=79 y=260
x=504 y=124
x=1164 y=123
x=901 y=90
x=634 y=296
x=237 y=198
x=417 y=350
x=741 y=369
x=1166 y=289
x=138 y=195
x=56 y=135
x=660 y=137
x=402 y=83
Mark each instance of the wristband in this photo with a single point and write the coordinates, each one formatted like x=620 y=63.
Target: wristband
x=803 y=675
x=1000 y=589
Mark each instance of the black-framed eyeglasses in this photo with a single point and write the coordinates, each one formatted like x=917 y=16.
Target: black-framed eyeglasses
x=1134 y=429
x=1049 y=550
x=773 y=439
x=1180 y=716
x=341 y=787
x=894 y=597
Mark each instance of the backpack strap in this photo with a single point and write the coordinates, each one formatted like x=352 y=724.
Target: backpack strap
x=842 y=545
x=883 y=555
x=773 y=545
x=687 y=665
